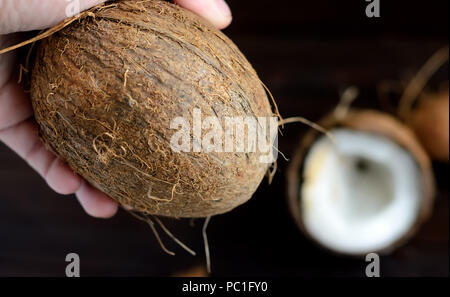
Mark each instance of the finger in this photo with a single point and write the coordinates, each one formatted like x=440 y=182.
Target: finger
x=26 y=15
x=23 y=139
x=21 y=136
x=216 y=11
x=62 y=179
x=96 y=203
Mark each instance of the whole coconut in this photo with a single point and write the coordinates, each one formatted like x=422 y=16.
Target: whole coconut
x=430 y=121
x=105 y=90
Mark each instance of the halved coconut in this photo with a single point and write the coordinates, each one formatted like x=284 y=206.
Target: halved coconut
x=367 y=190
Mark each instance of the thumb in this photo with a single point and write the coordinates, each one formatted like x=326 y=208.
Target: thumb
x=26 y=15
x=216 y=11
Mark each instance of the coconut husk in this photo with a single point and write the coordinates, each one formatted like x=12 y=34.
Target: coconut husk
x=106 y=87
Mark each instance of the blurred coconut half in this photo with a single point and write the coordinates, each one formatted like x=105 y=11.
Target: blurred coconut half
x=367 y=189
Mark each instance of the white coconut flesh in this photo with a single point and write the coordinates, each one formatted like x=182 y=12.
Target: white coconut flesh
x=360 y=193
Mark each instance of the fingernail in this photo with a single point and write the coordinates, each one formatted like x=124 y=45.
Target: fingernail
x=223 y=7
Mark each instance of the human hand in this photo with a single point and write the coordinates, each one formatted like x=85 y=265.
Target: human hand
x=19 y=131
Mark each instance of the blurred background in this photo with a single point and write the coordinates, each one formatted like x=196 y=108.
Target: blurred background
x=307 y=52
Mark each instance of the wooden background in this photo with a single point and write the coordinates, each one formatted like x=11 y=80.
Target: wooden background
x=306 y=52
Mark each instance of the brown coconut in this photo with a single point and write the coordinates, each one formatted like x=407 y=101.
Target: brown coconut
x=105 y=89
x=195 y=271
x=372 y=122
x=430 y=121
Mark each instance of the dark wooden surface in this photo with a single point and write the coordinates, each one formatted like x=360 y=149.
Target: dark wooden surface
x=306 y=52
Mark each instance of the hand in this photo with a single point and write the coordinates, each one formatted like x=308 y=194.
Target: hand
x=18 y=130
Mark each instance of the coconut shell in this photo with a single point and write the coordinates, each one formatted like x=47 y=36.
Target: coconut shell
x=369 y=121
x=105 y=89
x=430 y=121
